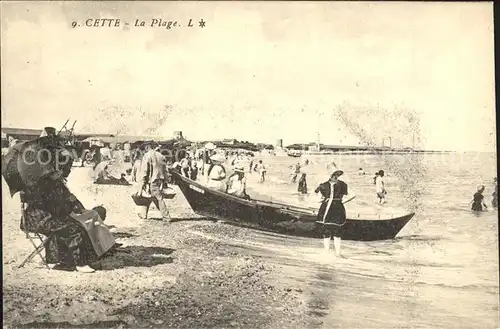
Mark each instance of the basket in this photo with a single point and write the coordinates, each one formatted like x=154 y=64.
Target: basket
x=168 y=193
x=141 y=200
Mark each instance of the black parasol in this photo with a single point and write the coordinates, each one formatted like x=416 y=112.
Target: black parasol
x=28 y=162
x=10 y=171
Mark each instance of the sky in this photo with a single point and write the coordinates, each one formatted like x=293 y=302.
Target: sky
x=350 y=72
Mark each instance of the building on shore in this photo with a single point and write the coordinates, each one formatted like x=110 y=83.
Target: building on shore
x=178 y=135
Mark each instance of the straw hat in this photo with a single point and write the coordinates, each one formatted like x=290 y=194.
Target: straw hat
x=151 y=143
x=210 y=146
x=337 y=173
x=48 y=131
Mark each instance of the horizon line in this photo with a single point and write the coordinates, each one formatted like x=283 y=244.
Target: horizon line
x=258 y=142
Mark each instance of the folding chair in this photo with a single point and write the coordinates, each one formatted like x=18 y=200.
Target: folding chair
x=33 y=236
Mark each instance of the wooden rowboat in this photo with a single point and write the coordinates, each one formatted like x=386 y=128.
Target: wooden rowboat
x=282 y=218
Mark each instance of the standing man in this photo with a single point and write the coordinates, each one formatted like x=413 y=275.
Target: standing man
x=380 y=187
x=153 y=168
x=331 y=213
x=186 y=166
x=261 y=168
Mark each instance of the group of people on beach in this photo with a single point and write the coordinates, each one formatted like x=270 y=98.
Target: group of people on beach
x=151 y=171
x=300 y=170
x=334 y=193
x=207 y=167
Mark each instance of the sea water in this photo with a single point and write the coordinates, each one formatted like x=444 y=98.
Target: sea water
x=441 y=271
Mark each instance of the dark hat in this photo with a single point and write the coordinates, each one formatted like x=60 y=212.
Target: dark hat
x=337 y=173
x=381 y=172
x=48 y=131
x=151 y=143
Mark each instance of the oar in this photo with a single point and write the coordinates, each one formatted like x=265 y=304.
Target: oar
x=284 y=205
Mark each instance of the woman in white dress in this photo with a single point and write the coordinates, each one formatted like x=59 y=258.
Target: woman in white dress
x=236 y=183
x=217 y=173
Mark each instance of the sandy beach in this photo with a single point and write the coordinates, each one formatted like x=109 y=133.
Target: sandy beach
x=200 y=273
x=403 y=88
x=164 y=275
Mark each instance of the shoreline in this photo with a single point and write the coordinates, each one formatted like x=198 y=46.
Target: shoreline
x=201 y=273
x=164 y=276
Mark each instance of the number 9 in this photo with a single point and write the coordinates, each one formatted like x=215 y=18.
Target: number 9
x=73 y=24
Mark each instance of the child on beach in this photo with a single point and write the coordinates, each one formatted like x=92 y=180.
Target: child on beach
x=478 y=200
x=380 y=187
x=261 y=168
x=295 y=172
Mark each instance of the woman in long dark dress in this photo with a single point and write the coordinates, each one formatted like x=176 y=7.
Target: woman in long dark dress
x=478 y=200
x=332 y=212
x=302 y=188
x=48 y=205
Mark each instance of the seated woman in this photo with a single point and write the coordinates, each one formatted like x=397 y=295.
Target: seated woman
x=103 y=177
x=49 y=205
x=236 y=183
x=49 y=208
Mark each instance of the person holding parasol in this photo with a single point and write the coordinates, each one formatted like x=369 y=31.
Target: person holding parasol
x=38 y=170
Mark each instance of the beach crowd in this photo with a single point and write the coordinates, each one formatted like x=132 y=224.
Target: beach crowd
x=49 y=207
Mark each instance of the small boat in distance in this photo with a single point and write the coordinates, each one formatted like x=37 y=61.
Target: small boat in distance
x=295 y=154
x=282 y=218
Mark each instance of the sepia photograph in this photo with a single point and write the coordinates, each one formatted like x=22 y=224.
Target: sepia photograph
x=253 y=165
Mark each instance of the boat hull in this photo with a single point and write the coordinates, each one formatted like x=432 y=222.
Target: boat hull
x=281 y=218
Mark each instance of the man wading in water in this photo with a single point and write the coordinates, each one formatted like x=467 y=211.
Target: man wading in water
x=331 y=213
